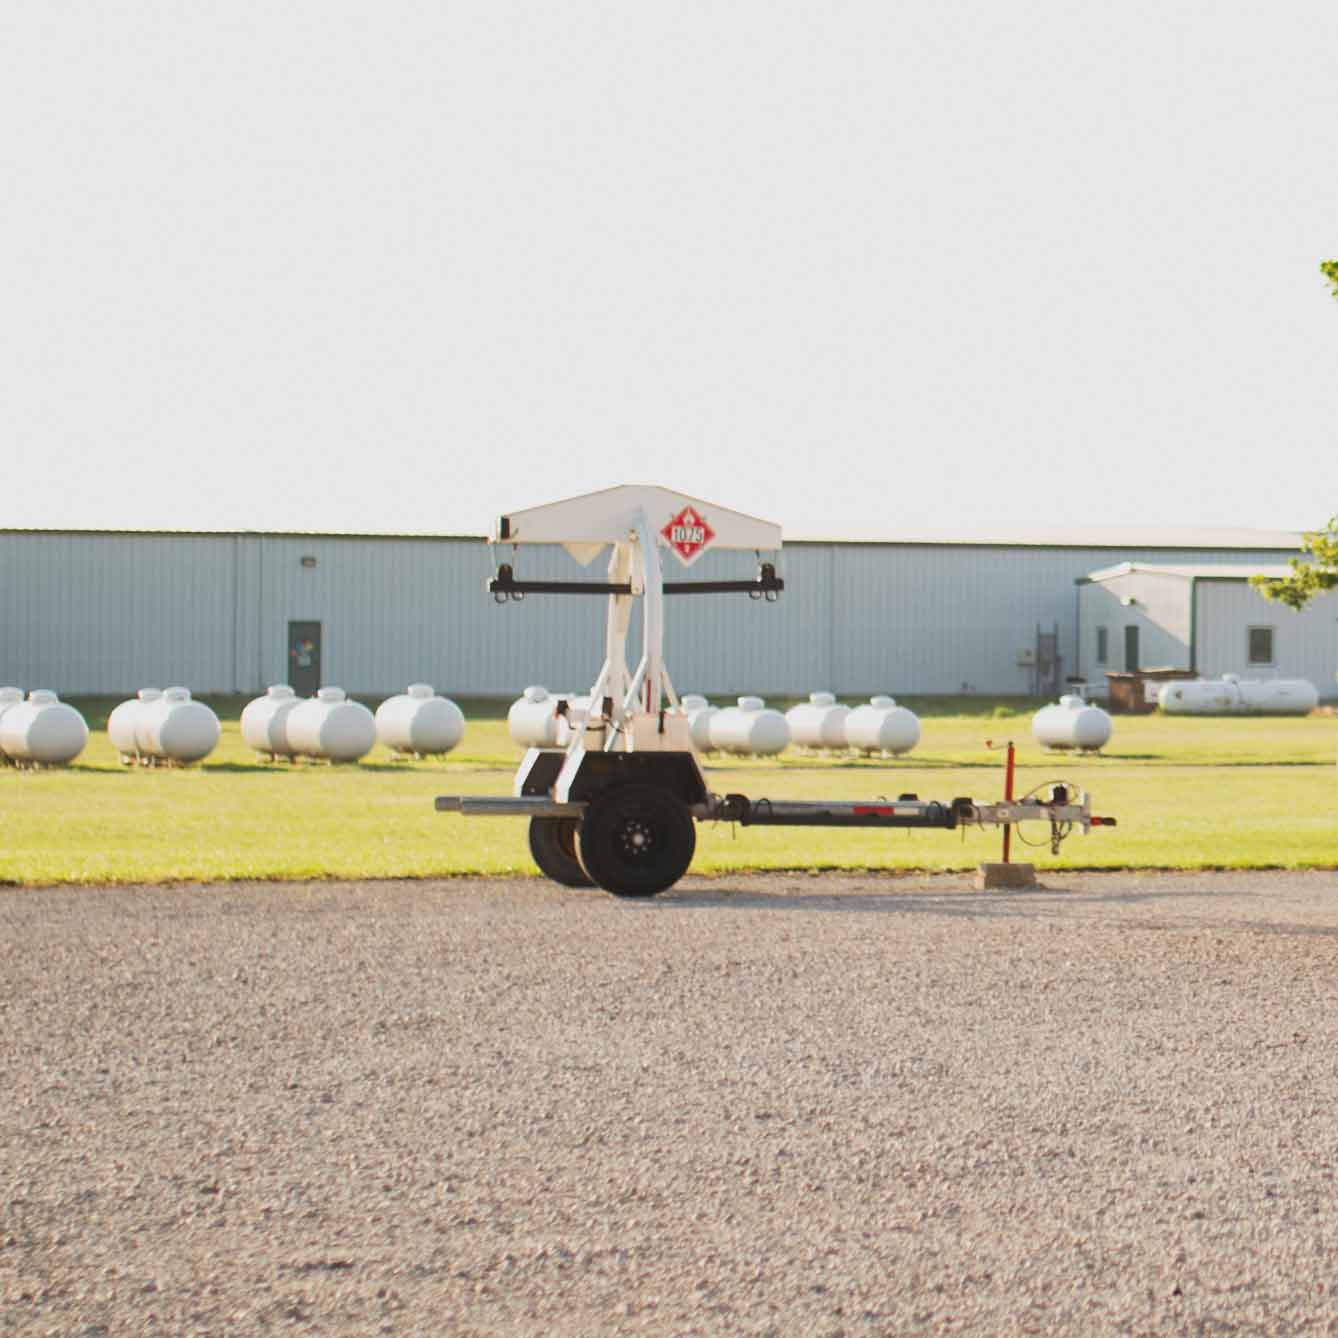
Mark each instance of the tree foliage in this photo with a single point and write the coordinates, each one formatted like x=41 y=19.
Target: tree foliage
x=1318 y=573
x=1310 y=576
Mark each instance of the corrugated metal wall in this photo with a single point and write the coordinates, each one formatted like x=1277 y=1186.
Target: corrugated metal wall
x=1161 y=615
x=80 y=611
x=1305 y=643
x=109 y=613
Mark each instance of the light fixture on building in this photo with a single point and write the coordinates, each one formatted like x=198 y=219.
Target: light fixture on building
x=308 y=560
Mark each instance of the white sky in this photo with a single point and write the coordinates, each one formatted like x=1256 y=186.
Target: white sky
x=859 y=268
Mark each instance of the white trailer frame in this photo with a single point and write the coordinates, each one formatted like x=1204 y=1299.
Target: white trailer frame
x=616 y=806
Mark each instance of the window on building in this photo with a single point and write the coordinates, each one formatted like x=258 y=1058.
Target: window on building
x=1102 y=645
x=1260 y=646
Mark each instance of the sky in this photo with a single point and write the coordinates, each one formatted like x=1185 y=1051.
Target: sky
x=863 y=269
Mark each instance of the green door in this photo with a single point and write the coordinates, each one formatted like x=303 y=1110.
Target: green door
x=304 y=657
x=1131 y=648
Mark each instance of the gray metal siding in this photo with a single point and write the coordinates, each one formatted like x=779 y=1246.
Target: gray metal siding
x=109 y=613
x=1161 y=614
x=1305 y=644
x=80 y=613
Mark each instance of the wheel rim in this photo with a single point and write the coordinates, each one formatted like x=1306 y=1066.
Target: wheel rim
x=636 y=840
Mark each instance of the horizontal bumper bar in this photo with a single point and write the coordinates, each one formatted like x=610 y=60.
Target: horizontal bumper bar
x=505 y=806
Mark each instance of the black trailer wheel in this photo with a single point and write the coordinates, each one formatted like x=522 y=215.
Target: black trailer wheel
x=636 y=840
x=553 y=845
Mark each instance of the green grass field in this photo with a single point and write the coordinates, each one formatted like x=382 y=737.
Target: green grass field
x=1188 y=793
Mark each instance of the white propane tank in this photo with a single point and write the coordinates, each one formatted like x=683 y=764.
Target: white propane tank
x=328 y=725
x=419 y=722
x=265 y=721
x=1231 y=695
x=531 y=721
x=749 y=729
x=819 y=722
x=8 y=697
x=578 y=711
x=123 y=724
x=699 y=713
x=1071 y=723
x=43 y=729
x=882 y=727
x=1278 y=696
x=175 y=728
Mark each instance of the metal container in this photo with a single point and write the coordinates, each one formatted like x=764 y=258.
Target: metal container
x=42 y=730
x=1231 y=695
x=1072 y=723
x=175 y=728
x=749 y=729
x=820 y=722
x=8 y=697
x=331 y=726
x=882 y=727
x=699 y=712
x=265 y=721
x=419 y=722
x=532 y=720
x=123 y=724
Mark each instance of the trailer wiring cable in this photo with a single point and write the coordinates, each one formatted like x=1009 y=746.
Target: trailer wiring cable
x=1059 y=831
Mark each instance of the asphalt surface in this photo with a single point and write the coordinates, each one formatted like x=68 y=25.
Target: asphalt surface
x=781 y=1104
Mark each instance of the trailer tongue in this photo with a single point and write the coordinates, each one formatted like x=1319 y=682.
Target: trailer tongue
x=617 y=806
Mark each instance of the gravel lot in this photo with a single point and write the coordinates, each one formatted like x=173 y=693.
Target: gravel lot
x=781 y=1104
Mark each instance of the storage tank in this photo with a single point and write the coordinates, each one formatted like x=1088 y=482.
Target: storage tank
x=265 y=721
x=1199 y=697
x=331 y=726
x=578 y=712
x=882 y=727
x=531 y=721
x=176 y=728
x=749 y=729
x=43 y=730
x=1278 y=696
x=123 y=724
x=8 y=697
x=419 y=722
x=1231 y=695
x=1071 y=723
x=820 y=722
x=699 y=713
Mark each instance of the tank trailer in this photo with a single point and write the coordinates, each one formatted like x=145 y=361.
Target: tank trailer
x=616 y=807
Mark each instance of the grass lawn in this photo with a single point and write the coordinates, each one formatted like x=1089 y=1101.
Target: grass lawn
x=1188 y=793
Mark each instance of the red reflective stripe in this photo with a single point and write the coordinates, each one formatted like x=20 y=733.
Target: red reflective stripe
x=879 y=810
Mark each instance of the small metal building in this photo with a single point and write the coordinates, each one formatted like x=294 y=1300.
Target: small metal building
x=108 y=612
x=1203 y=617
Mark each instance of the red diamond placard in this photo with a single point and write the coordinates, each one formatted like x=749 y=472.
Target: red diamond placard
x=688 y=534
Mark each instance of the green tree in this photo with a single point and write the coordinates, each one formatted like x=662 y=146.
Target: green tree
x=1310 y=576
x=1318 y=573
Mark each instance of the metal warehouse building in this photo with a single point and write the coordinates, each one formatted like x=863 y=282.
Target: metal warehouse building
x=1207 y=618
x=103 y=612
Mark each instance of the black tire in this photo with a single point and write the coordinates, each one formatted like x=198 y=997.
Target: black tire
x=553 y=845
x=636 y=840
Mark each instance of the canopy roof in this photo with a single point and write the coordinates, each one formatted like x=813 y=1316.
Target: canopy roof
x=583 y=525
